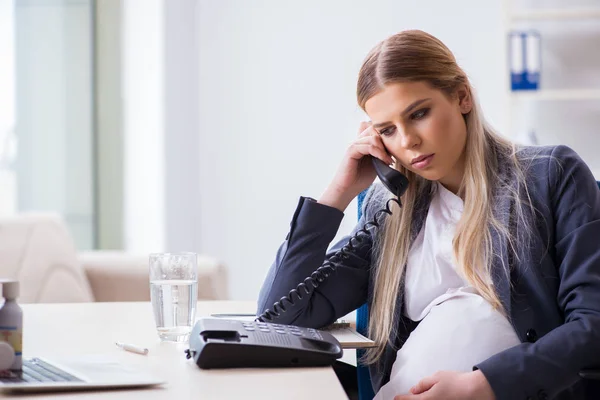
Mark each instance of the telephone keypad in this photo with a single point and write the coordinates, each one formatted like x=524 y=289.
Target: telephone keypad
x=282 y=329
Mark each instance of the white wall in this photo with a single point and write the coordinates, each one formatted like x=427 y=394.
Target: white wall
x=7 y=68
x=7 y=107
x=182 y=182
x=143 y=125
x=277 y=106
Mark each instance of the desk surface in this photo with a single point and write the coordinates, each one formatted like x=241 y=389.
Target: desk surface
x=55 y=330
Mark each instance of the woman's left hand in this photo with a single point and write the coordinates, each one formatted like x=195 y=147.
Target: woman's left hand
x=450 y=385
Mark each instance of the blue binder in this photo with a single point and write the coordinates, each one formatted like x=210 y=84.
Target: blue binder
x=524 y=59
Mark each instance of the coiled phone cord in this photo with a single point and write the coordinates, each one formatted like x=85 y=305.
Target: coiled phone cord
x=329 y=266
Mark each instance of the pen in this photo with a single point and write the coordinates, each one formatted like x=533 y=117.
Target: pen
x=132 y=348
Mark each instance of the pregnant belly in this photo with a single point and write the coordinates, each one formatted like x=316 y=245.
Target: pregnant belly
x=456 y=334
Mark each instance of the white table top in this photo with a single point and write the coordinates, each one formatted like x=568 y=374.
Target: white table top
x=55 y=330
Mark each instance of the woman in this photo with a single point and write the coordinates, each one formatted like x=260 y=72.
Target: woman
x=486 y=283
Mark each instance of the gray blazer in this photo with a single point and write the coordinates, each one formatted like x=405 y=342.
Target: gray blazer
x=552 y=297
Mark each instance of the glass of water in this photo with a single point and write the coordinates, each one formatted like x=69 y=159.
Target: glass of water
x=174 y=293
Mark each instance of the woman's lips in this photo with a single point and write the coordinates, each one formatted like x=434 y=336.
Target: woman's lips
x=423 y=162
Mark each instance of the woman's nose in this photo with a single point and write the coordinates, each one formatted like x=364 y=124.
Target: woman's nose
x=408 y=139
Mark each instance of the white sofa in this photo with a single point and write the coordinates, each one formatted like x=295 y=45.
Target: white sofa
x=38 y=250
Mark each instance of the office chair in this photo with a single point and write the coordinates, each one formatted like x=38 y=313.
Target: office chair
x=365 y=389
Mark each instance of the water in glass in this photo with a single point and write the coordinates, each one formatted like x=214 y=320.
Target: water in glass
x=174 y=305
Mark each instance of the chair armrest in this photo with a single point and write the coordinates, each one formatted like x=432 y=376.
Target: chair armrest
x=120 y=276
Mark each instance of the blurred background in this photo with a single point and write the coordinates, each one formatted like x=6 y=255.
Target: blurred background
x=170 y=125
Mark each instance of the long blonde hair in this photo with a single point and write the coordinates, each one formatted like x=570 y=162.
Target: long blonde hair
x=412 y=56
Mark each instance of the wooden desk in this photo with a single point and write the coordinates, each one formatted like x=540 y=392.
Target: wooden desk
x=54 y=330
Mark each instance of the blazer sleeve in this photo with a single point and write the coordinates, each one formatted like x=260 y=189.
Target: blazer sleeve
x=552 y=363
x=312 y=229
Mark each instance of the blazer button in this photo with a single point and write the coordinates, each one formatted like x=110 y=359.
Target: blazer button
x=542 y=395
x=531 y=335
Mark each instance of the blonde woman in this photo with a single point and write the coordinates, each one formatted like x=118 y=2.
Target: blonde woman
x=486 y=283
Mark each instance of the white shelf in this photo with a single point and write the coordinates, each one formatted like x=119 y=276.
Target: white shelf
x=557 y=94
x=556 y=14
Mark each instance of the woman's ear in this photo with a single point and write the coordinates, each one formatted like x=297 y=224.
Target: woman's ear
x=465 y=100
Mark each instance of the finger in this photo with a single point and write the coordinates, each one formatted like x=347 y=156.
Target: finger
x=365 y=129
x=425 y=384
x=376 y=141
x=372 y=139
x=366 y=149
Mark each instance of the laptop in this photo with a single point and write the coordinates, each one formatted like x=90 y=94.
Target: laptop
x=83 y=373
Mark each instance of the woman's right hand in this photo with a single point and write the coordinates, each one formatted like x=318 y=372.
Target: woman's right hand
x=356 y=172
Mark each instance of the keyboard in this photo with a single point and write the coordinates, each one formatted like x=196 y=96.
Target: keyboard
x=35 y=371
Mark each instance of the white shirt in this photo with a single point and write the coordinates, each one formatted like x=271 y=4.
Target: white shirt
x=458 y=327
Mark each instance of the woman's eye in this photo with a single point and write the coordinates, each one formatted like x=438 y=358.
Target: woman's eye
x=387 y=131
x=419 y=114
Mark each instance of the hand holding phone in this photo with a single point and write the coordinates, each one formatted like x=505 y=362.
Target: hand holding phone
x=357 y=171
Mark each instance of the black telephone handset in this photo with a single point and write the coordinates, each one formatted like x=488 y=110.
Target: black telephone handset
x=392 y=179
x=231 y=343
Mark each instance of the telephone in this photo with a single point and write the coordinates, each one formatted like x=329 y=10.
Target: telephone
x=261 y=343
x=222 y=343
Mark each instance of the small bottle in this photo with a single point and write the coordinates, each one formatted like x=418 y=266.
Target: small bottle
x=11 y=321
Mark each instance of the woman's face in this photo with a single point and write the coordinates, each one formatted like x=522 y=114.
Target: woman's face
x=423 y=129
